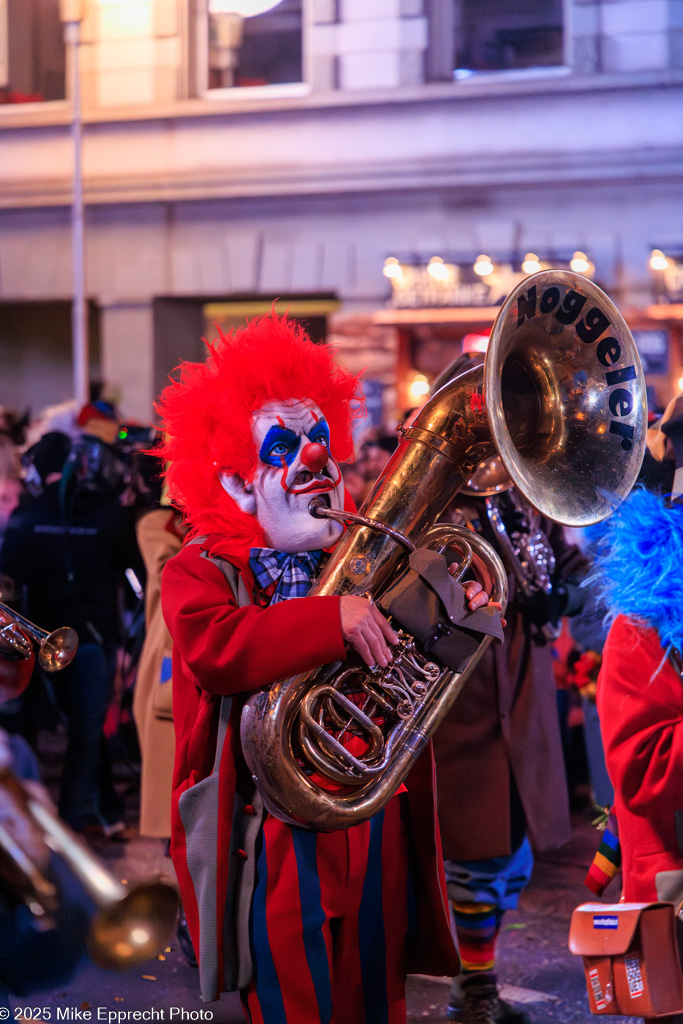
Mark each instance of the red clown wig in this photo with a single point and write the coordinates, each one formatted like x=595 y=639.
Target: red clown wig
x=207 y=415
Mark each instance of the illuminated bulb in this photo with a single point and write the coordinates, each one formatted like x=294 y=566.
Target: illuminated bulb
x=419 y=387
x=680 y=383
x=658 y=260
x=579 y=263
x=139 y=936
x=531 y=264
x=392 y=268
x=483 y=266
x=438 y=269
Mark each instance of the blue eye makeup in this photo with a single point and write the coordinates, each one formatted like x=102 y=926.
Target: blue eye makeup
x=279 y=445
x=320 y=434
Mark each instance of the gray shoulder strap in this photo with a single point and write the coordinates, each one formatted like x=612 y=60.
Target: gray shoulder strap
x=234 y=580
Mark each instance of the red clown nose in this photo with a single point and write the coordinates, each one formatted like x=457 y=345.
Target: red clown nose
x=314 y=457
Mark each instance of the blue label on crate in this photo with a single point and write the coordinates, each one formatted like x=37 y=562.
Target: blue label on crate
x=605 y=921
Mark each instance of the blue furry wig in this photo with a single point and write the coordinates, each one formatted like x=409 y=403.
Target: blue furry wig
x=639 y=565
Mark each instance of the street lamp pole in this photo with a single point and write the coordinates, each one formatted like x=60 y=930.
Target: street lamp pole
x=71 y=13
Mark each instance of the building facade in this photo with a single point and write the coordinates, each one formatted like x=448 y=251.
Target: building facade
x=233 y=160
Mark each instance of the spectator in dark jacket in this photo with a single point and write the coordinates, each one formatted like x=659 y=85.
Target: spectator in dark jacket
x=66 y=548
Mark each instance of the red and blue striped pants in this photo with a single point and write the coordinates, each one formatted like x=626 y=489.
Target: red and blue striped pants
x=331 y=918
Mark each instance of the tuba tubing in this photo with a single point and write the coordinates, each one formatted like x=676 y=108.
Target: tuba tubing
x=561 y=399
x=269 y=721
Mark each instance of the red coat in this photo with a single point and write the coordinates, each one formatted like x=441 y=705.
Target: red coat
x=640 y=704
x=223 y=649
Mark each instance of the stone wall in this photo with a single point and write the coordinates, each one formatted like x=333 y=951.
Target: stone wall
x=133 y=53
x=614 y=36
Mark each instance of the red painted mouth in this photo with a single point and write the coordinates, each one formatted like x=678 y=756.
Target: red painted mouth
x=316 y=485
x=319 y=486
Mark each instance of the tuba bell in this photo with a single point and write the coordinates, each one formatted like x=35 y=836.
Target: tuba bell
x=561 y=400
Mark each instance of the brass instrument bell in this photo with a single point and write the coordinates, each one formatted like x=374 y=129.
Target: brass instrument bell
x=55 y=650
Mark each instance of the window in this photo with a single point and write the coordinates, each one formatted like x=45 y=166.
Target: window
x=469 y=37
x=254 y=50
x=32 y=53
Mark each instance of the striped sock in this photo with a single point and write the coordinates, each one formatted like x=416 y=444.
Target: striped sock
x=606 y=863
x=477 y=925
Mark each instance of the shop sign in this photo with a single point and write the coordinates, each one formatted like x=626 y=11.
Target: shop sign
x=653 y=349
x=416 y=287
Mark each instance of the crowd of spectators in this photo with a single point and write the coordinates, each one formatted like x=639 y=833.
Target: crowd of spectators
x=73 y=485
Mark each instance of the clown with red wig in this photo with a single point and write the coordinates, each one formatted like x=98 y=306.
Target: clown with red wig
x=310 y=927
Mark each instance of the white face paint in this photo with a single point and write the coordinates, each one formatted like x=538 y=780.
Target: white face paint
x=294 y=465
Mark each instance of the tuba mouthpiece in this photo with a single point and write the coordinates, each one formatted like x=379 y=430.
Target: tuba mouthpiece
x=315 y=506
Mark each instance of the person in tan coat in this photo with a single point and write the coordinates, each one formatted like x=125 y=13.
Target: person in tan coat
x=160 y=536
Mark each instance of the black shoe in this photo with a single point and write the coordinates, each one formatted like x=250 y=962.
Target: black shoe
x=509 y=1014
x=480 y=1004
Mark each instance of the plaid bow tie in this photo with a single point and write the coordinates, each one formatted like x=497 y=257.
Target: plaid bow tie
x=293 y=573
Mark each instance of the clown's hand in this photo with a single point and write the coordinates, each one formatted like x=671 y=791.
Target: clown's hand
x=475 y=594
x=477 y=597
x=365 y=628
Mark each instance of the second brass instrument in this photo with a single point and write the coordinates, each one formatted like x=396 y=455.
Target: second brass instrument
x=131 y=924
x=55 y=650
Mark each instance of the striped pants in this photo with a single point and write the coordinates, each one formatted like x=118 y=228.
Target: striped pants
x=331 y=917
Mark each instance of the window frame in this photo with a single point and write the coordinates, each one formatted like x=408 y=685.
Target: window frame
x=56 y=105
x=199 y=44
x=441 y=28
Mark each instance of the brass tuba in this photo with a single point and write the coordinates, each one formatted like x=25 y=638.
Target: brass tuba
x=561 y=398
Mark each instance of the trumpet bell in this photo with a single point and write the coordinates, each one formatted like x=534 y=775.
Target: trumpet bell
x=135 y=928
x=565 y=396
x=58 y=649
x=55 y=650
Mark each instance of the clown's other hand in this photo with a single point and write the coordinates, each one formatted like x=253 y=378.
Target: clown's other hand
x=476 y=595
x=365 y=628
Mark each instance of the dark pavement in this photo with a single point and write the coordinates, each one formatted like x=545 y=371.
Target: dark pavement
x=535 y=965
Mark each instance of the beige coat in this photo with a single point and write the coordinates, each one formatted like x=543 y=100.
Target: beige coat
x=159 y=539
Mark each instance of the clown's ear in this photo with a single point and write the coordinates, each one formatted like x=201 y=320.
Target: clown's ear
x=240 y=492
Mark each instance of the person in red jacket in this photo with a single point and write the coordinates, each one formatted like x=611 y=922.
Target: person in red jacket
x=311 y=927
x=639 y=691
